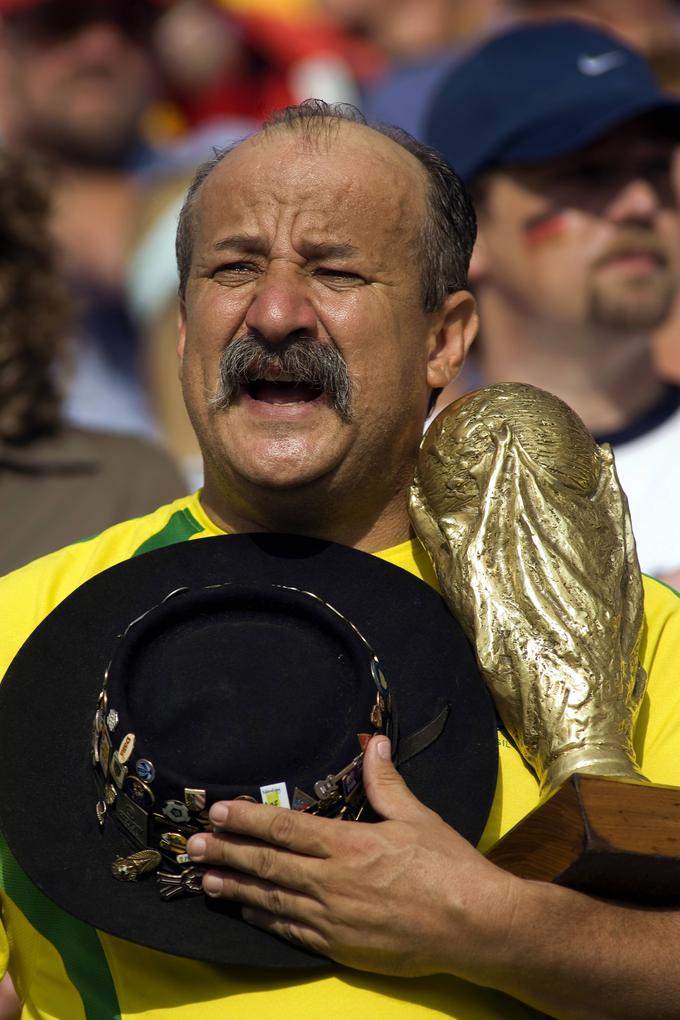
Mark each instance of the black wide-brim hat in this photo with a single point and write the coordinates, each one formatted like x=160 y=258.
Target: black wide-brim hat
x=267 y=664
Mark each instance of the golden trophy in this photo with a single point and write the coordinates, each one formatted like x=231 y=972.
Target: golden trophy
x=530 y=535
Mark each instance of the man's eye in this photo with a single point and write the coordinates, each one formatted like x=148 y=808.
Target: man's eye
x=341 y=275
x=235 y=269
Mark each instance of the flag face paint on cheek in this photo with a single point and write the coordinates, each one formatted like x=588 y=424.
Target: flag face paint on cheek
x=545 y=227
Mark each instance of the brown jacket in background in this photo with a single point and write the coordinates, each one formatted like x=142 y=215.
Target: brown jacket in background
x=74 y=484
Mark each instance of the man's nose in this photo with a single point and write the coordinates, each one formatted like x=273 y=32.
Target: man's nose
x=636 y=201
x=281 y=308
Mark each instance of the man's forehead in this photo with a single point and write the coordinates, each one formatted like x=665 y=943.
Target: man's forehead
x=334 y=167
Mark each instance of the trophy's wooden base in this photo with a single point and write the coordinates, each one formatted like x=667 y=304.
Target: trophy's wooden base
x=607 y=837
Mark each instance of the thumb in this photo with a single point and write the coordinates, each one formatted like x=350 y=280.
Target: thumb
x=387 y=792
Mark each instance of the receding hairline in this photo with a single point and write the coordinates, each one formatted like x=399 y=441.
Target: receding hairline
x=328 y=129
x=322 y=134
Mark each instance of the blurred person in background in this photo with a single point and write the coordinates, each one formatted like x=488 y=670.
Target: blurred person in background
x=244 y=60
x=567 y=141
x=76 y=79
x=423 y=39
x=420 y=39
x=59 y=483
x=665 y=62
x=653 y=27
x=647 y=25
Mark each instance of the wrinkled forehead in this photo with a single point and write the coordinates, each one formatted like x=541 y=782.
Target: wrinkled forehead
x=343 y=178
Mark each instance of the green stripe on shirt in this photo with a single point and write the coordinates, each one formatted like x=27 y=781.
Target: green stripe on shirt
x=180 y=527
x=76 y=942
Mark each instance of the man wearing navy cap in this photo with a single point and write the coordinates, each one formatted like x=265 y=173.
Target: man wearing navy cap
x=566 y=143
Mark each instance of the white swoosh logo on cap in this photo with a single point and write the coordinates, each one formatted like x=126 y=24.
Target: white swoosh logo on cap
x=595 y=66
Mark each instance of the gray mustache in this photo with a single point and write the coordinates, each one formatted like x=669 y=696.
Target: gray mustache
x=304 y=360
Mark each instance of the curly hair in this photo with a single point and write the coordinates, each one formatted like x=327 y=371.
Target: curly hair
x=34 y=307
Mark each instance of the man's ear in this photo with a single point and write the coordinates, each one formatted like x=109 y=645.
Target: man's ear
x=181 y=335
x=454 y=330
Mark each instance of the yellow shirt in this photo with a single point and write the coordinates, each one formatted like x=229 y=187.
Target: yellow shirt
x=65 y=970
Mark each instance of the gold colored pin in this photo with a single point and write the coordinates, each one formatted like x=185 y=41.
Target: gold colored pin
x=128 y=869
x=194 y=799
x=127 y=746
x=175 y=842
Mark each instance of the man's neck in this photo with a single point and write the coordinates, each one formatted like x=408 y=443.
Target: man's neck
x=367 y=529
x=606 y=376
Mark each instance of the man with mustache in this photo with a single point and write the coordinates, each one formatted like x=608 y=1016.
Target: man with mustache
x=322 y=279
x=306 y=369
x=564 y=141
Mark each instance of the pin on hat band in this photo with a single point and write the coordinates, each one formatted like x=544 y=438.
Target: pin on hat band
x=159 y=819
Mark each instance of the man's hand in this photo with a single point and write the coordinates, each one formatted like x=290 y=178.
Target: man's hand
x=390 y=897
x=409 y=896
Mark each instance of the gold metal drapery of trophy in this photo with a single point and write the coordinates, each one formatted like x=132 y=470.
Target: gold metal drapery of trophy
x=530 y=535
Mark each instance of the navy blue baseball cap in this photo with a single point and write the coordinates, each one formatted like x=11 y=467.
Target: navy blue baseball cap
x=539 y=91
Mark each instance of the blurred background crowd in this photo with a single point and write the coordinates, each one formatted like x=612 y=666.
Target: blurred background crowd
x=107 y=107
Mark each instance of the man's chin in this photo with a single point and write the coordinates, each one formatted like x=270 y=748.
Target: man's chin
x=643 y=306
x=292 y=462
x=279 y=478
x=88 y=145
x=281 y=450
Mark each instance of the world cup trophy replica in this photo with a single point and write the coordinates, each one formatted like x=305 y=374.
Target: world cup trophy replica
x=530 y=535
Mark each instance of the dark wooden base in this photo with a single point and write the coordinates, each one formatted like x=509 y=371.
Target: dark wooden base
x=607 y=837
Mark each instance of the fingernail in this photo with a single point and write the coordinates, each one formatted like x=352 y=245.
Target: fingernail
x=196 y=847
x=248 y=914
x=212 y=885
x=219 y=814
x=384 y=750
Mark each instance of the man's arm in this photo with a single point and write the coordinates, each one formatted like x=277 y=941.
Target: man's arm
x=409 y=896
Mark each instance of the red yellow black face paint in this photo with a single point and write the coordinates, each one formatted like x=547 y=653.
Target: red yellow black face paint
x=546 y=227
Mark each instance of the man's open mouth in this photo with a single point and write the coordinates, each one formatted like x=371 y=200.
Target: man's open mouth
x=298 y=374
x=284 y=392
